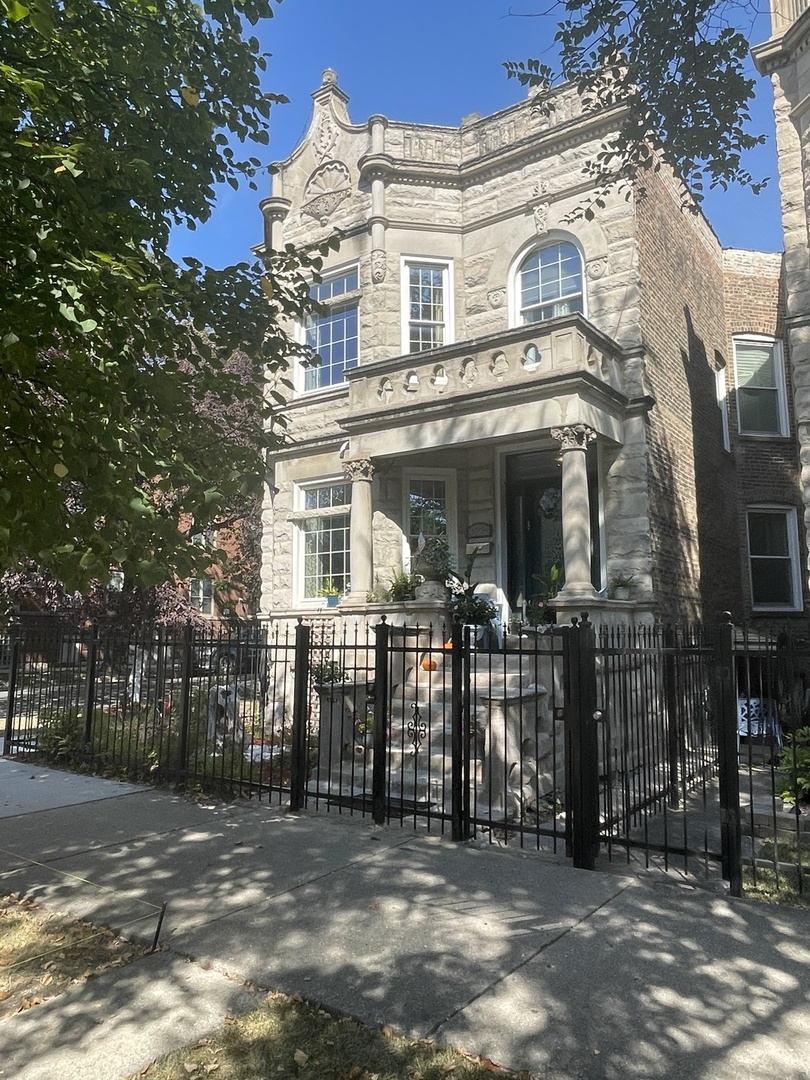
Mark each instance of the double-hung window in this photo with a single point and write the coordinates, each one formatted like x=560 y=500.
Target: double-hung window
x=549 y=283
x=773 y=554
x=759 y=370
x=427 y=304
x=333 y=333
x=201 y=595
x=323 y=533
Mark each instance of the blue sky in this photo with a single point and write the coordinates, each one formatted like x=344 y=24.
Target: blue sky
x=432 y=61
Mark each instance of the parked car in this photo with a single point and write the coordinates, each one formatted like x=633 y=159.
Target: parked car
x=241 y=649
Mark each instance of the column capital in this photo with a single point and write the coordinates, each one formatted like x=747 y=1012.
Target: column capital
x=574 y=437
x=359 y=469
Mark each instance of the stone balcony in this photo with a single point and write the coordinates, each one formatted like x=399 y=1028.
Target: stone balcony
x=516 y=381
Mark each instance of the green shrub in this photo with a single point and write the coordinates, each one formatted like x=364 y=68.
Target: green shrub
x=795 y=778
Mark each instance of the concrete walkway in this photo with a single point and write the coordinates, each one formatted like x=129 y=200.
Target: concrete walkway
x=538 y=966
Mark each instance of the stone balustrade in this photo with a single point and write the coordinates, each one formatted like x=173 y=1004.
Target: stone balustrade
x=522 y=359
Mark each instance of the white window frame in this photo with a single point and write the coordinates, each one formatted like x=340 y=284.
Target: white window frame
x=449 y=476
x=201 y=595
x=446 y=267
x=721 y=390
x=343 y=300
x=780 y=387
x=301 y=515
x=788 y=513
x=514 y=280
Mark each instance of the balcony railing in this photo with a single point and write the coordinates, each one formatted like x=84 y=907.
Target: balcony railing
x=518 y=360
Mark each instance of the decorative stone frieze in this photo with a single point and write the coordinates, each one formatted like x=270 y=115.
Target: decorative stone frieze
x=595 y=268
x=378 y=266
x=496 y=297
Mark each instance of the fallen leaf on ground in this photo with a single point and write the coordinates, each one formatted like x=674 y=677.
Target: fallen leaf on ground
x=300 y=1057
x=388 y=1031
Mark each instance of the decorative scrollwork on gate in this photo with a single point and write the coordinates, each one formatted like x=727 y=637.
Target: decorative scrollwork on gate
x=417 y=728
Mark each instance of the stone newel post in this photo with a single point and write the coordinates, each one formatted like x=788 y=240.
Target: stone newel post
x=361 y=559
x=576 y=511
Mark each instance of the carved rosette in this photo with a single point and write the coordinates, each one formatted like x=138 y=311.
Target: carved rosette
x=359 y=469
x=378 y=266
x=596 y=268
x=496 y=297
x=574 y=437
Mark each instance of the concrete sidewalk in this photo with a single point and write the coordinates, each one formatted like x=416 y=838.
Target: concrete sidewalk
x=538 y=966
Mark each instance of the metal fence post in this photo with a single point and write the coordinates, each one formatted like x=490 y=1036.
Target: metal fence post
x=90 y=685
x=15 y=633
x=727 y=738
x=581 y=741
x=460 y=738
x=185 y=697
x=378 y=771
x=298 y=750
x=673 y=717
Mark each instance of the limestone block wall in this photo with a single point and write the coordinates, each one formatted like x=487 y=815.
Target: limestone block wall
x=790 y=77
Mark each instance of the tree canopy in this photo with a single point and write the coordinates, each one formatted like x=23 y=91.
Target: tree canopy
x=679 y=70
x=117 y=120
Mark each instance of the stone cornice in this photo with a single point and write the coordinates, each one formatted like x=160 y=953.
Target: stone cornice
x=780 y=51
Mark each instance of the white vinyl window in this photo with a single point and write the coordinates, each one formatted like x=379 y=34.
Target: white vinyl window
x=322 y=529
x=550 y=283
x=427 y=304
x=759 y=371
x=333 y=332
x=773 y=555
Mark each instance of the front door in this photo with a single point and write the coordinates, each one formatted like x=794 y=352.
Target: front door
x=534 y=517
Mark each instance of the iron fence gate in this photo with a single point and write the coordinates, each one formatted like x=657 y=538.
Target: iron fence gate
x=622 y=742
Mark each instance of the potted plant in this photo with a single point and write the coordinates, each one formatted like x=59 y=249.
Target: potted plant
x=330 y=590
x=621 y=586
x=472 y=608
x=540 y=610
x=433 y=561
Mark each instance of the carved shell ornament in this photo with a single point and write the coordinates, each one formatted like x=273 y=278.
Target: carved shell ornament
x=325 y=190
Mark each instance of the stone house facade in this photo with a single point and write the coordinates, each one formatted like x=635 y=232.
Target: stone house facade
x=785 y=58
x=542 y=389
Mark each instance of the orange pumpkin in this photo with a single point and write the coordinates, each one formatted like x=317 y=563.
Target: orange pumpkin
x=428 y=664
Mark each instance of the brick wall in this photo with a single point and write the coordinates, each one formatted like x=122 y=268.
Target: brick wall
x=767 y=468
x=693 y=507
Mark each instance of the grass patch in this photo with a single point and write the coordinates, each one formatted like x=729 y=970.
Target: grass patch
x=43 y=953
x=772 y=888
x=288 y=1038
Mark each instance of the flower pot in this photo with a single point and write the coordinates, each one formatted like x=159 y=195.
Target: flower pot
x=621 y=592
x=332 y=601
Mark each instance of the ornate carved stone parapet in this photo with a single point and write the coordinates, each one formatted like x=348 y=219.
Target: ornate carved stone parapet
x=359 y=469
x=574 y=437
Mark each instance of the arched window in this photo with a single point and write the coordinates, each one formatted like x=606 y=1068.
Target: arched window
x=550 y=283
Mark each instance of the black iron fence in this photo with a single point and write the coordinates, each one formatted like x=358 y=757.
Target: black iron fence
x=689 y=747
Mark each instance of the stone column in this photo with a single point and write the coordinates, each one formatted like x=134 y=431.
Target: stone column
x=576 y=511
x=361 y=560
